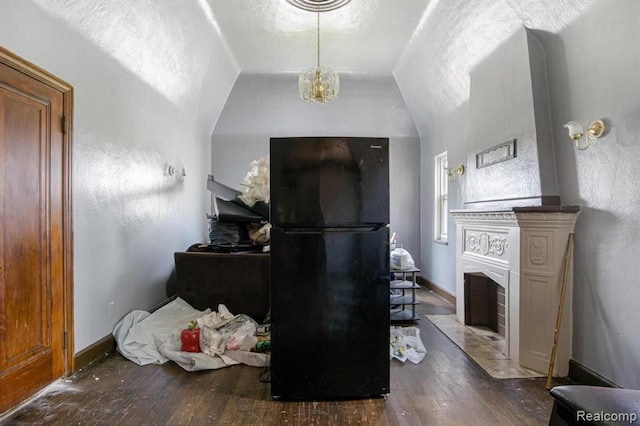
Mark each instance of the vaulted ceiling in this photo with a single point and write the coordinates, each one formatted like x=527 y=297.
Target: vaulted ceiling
x=154 y=38
x=429 y=46
x=269 y=36
x=370 y=36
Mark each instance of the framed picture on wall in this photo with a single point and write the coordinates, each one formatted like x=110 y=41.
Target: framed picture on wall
x=497 y=154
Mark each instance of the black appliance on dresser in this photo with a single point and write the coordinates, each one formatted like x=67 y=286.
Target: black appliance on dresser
x=329 y=267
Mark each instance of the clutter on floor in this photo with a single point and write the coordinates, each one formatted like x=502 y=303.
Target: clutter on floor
x=224 y=338
x=406 y=344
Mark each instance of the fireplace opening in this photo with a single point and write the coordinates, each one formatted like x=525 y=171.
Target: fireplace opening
x=484 y=303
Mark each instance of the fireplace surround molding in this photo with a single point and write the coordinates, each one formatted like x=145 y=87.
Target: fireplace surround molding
x=522 y=249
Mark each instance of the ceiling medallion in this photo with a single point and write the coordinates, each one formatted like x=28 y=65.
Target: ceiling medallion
x=322 y=5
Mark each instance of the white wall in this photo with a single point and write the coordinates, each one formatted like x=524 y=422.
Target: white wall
x=604 y=180
x=593 y=63
x=504 y=106
x=262 y=106
x=141 y=102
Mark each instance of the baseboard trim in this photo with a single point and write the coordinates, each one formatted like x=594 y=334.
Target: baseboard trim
x=436 y=289
x=99 y=349
x=164 y=302
x=583 y=375
x=104 y=346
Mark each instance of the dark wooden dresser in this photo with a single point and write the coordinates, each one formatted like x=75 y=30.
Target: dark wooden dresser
x=240 y=281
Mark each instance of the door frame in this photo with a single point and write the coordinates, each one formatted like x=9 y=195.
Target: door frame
x=25 y=67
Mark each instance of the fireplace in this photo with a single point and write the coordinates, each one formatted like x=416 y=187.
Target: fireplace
x=521 y=251
x=484 y=303
x=514 y=229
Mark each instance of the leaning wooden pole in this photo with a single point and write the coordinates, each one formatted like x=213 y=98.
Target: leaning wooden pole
x=563 y=291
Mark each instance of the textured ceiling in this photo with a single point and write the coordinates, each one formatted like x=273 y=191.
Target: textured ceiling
x=453 y=36
x=370 y=35
x=274 y=36
x=440 y=40
x=268 y=36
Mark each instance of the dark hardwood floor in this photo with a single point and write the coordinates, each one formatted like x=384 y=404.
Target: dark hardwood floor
x=446 y=388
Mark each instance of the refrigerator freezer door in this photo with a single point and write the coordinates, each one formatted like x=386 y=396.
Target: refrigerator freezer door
x=329 y=181
x=329 y=314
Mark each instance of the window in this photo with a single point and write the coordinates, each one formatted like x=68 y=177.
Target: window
x=441 y=204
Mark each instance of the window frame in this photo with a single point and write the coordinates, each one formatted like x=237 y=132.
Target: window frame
x=441 y=199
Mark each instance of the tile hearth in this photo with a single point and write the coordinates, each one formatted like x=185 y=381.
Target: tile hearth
x=484 y=346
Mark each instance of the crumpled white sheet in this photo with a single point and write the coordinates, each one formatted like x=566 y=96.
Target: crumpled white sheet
x=406 y=344
x=154 y=338
x=138 y=332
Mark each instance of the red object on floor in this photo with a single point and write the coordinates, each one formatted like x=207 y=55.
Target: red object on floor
x=190 y=340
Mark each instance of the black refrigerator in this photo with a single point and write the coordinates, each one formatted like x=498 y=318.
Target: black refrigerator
x=329 y=212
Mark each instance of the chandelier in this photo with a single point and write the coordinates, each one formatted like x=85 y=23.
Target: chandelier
x=318 y=84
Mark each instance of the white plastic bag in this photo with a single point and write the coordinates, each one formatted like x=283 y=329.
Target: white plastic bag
x=236 y=334
x=406 y=344
x=243 y=339
x=401 y=259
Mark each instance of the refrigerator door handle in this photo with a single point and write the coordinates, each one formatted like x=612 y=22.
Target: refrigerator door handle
x=354 y=229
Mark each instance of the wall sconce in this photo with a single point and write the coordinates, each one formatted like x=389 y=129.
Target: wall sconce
x=454 y=173
x=576 y=131
x=179 y=174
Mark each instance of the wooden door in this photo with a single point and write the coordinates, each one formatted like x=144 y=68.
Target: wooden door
x=35 y=243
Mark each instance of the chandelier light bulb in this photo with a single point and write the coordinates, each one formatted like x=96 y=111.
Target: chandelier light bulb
x=318 y=84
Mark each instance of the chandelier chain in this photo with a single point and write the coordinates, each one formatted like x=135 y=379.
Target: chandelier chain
x=318 y=4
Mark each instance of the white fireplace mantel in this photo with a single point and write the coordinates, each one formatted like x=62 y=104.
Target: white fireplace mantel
x=522 y=250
